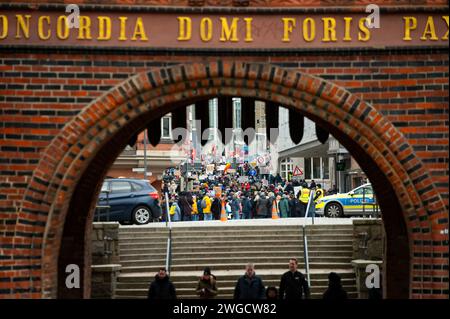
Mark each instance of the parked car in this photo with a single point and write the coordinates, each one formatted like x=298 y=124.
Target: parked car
x=359 y=201
x=128 y=200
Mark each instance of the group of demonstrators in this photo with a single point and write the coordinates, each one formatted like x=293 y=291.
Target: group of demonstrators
x=293 y=285
x=247 y=200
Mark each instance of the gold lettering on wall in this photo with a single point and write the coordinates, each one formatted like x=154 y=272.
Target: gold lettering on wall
x=445 y=37
x=329 y=30
x=139 y=31
x=123 y=25
x=206 y=29
x=229 y=33
x=410 y=24
x=348 y=25
x=184 y=28
x=41 y=34
x=62 y=29
x=430 y=31
x=4 y=25
x=288 y=27
x=364 y=31
x=23 y=26
x=309 y=29
x=104 y=28
x=84 y=30
x=248 y=29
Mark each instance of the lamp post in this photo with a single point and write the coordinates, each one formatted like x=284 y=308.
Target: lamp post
x=145 y=153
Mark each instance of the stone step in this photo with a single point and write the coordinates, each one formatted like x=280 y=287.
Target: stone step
x=225 y=266
x=248 y=248
x=243 y=236
x=233 y=275
x=239 y=243
x=244 y=224
x=250 y=254
x=207 y=260
x=352 y=294
x=227 y=283
x=270 y=232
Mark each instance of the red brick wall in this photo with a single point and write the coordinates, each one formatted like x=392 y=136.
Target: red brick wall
x=39 y=93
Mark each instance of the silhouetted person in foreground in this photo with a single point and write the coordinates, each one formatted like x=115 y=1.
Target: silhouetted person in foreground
x=272 y=293
x=161 y=287
x=335 y=290
x=293 y=284
x=206 y=287
x=249 y=286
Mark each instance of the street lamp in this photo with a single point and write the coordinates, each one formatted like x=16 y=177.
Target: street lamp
x=145 y=153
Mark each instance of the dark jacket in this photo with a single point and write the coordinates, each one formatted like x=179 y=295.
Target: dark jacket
x=263 y=207
x=185 y=202
x=284 y=207
x=207 y=288
x=216 y=208
x=335 y=292
x=293 y=286
x=161 y=289
x=235 y=205
x=249 y=288
x=247 y=206
x=296 y=208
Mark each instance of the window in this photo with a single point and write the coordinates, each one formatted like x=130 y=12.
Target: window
x=237 y=113
x=137 y=187
x=316 y=168
x=120 y=187
x=213 y=121
x=325 y=168
x=166 y=127
x=104 y=187
x=366 y=190
x=308 y=172
x=286 y=166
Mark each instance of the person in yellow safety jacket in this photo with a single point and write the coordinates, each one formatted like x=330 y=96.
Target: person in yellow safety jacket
x=319 y=193
x=194 y=214
x=304 y=198
x=206 y=207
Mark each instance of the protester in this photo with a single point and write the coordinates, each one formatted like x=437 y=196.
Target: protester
x=206 y=287
x=249 y=286
x=175 y=212
x=335 y=290
x=161 y=287
x=272 y=293
x=284 y=206
x=293 y=284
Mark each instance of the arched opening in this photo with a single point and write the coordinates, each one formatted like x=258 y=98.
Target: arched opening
x=78 y=159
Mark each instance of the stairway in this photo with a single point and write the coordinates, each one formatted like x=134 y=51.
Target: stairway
x=226 y=249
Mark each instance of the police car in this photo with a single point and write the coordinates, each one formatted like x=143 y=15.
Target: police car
x=359 y=201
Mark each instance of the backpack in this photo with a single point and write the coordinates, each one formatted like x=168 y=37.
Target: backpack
x=172 y=210
x=203 y=203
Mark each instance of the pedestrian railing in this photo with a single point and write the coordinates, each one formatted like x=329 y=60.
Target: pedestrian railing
x=169 y=237
x=100 y=208
x=305 y=237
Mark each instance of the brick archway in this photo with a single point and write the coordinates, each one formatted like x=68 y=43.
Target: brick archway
x=72 y=164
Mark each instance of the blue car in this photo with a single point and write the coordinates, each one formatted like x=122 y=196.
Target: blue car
x=128 y=201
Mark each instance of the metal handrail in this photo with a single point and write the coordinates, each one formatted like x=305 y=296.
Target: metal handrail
x=107 y=207
x=169 y=238
x=305 y=238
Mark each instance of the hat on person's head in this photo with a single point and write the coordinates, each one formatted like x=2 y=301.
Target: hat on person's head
x=206 y=271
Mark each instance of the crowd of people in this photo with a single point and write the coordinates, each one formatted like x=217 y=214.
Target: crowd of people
x=293 y=286
x=248 y=200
